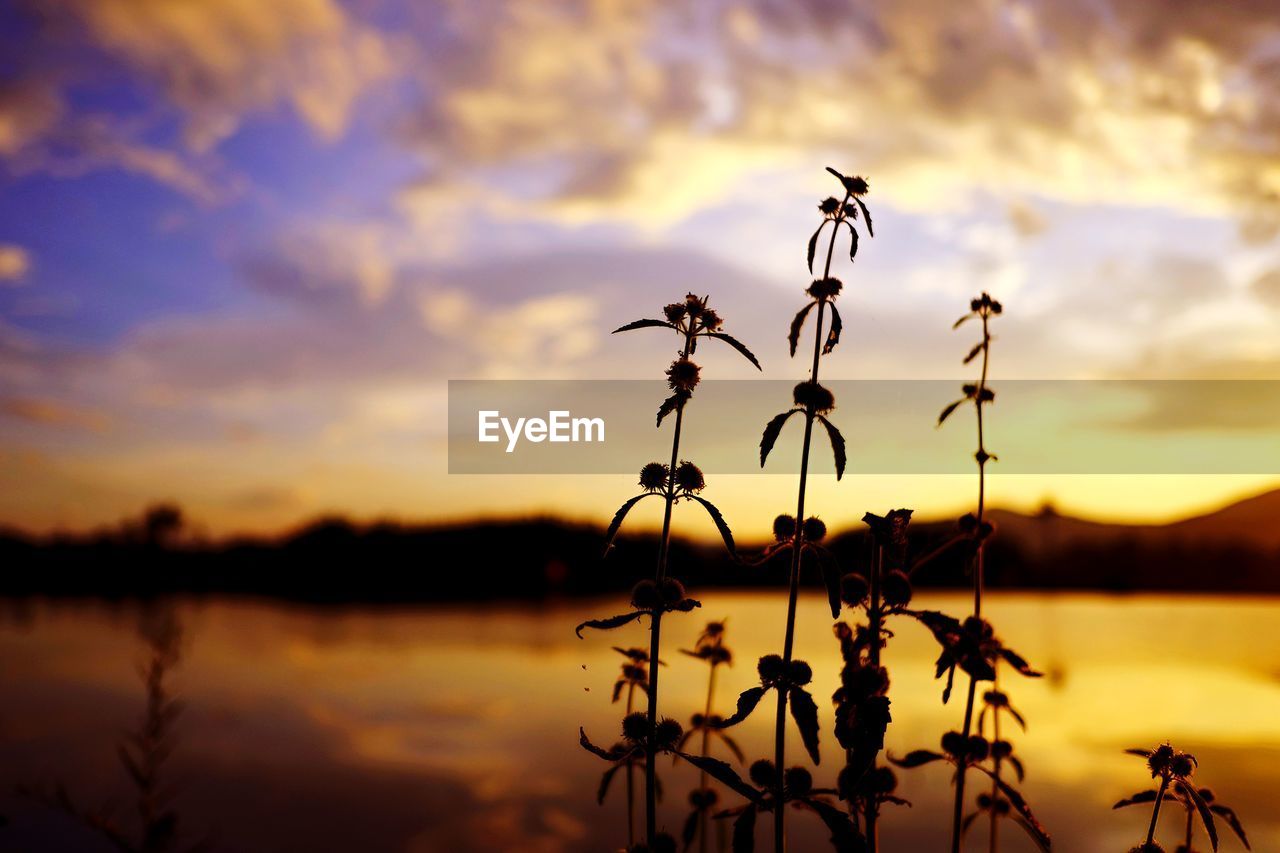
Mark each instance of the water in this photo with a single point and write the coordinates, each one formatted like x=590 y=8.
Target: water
x=455 y=729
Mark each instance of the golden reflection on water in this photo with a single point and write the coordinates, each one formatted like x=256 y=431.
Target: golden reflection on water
x=455 y=728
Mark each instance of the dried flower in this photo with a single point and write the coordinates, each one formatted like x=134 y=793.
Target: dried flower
x=811 y=395
x=682 y=375
x=653 y=476
x=784 y=528
x=825 y=288
x=814 y=529
x=689 y=477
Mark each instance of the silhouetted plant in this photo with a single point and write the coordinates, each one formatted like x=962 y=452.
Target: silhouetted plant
x=143 y=754
x=1174 y=769
x=634 y=676
x=795 y=785
x=691 y=320
x=709 y=647
x=995 y=705
x=814 y=402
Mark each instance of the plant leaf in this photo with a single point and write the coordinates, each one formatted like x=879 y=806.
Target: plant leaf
x=1017 y=767
x=853 y=239
x=813 y=247
x=1037 y=832
x=606 y=754
x=830 y=576
x=690 y=830
x=866 y=216
x=1138 y=799
x=1229 y=815
x=645 y=324
x=973 y=353
x=736 y=344
x=724 y=774
x=805 y=712
x=744 y=831
x=917 y=758
x=946 y=413
x=725 y=533
x=797 y=323
x=612 y=532
x=771 y=432
x=844 y=837
x=604 y=782
x=733 y=746
x=610 y=623
x=1141 y=753
x=837 y=445
x=960 y=322
x=833 y=334
x=670 y=404
x=1019 y=663
x=747 y=702
x=1206 y=816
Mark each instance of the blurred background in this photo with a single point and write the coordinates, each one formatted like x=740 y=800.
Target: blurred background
x=244 y=245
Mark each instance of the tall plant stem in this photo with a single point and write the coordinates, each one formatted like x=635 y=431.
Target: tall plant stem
x=957 y=813
x=875 y=618
x=702 y=774
x=655 y=630
x=1187 y=841
x=993 y=837
x=780 y=724
x=631 y=783
x=1155 y=810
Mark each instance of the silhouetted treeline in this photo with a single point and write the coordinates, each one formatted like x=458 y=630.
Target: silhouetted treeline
x=339 y=561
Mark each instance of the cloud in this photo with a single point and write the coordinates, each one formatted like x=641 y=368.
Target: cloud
x=47 y=412
x=218 y=60
x=15 y=263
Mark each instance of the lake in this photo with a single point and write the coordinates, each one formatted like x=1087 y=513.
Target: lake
x=455 y=729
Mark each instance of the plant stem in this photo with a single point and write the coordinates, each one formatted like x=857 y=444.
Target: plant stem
x=1190 y=827
x=875 y=620
x=631 y=803
x=780 y=725
x=655 y=629
x=993 y=837
x=957 y=814
x=1155 y=810
x=702 y=774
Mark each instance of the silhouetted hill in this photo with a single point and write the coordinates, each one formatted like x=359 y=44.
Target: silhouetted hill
x=1234 y=549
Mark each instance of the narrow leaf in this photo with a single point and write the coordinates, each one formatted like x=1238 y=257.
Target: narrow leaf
x=670 y=404
x=606 y=754
x=833 y=334
x=805 y=712
x=724 y=774
x=610 y=623
x=725 y=533
x=797 y=323
x=853 y=239
x=1019 y=663
x=616 y=524
x=973 y=353
x=1138 y=799
x=1228 y=814
x=747 y=702
x=690 y=830
x=733 y=747
x=917 y=758
x=1206 y=816
x=960 y=322
x=844 y=837
x=813 y=244
x=736 y=344
x=604 y=783
x=830 y=576
x=645 y=324
x=837 y=445
x=771 y=432
x=1037 y=832
x=866 y=217
x=946 y=413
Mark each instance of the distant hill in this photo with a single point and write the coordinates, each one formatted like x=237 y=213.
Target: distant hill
x=1233 y=549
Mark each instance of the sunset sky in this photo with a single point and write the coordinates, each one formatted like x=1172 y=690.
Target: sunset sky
x=244 y=244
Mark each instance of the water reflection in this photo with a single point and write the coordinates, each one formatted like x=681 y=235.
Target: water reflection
x=456 y=729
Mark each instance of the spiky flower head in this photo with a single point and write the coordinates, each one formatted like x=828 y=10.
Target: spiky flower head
x=667 y=734
x=784 y=528
x=635 y=726
x=825 y=288
x=984 y=304
x=1182 y=765
x=856 y=185
x=799 y=673
x=811 y=395
x=829 y=206
x=689 y=478
x=798 y=781
x=1160 y=758
x=710 y=320
x=770 y=668
x=683 y=375
x=703 y=798
x=815 y=530
x=653 y=477
x=896 y=589
x=645 y=595
x=763 y=773
x=672 y=591
x=853 y=589
x=694 y=305
x=675 y=312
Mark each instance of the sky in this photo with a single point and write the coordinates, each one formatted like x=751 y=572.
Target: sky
x=245 y=244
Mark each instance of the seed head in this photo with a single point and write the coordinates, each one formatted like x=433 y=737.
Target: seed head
x=881 y=780
x=815 y=530
x=674 y=312
x=995 y=698
x=856 y=185
x=797 y=781
x=896 y=589
x=825 y=288
x=682 y=375
x=1001 y=749
x=984 y=801
x=811 y=395
x=710 y=320
x=1182 y=764
x=863 y=680
x=978 y=749
x=800 y=673
x=829 y=205
x=667 y=734
x=645 y=595
x=850 y=211
x=763 y=773
x=853 y=589
x=1160 y=759
x=672 y=591
x=1001 y=806
x=703 y=798
x=770 y=668
x=954 y=744
x=784 y=528
x=694 y=304
x=635 y=727
x=653 y=477
x=689 y=477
